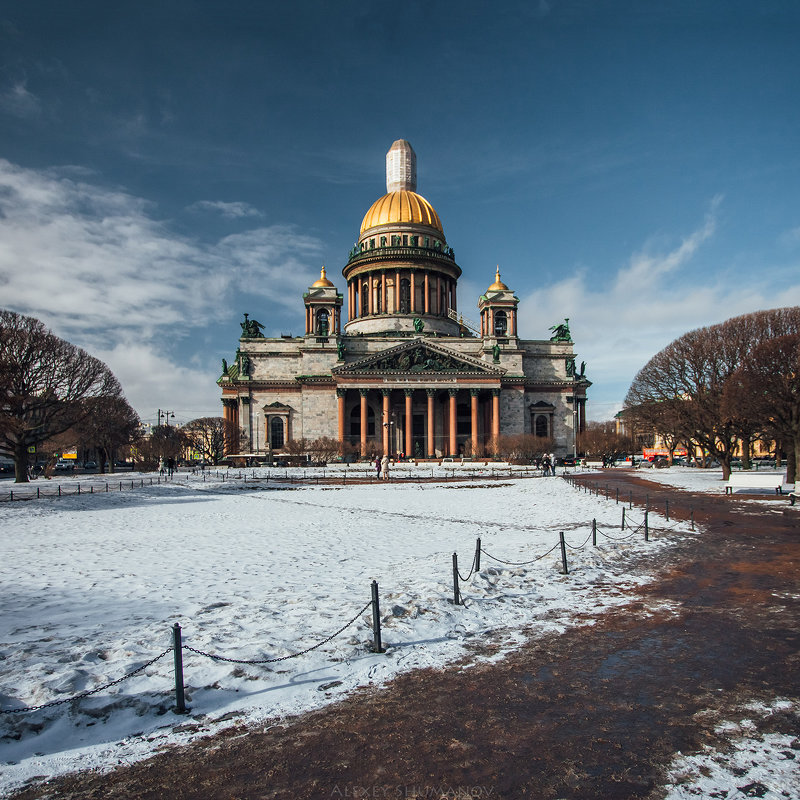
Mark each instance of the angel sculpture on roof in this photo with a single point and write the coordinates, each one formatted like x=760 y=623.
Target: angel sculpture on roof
x=251 y=328
x=561 y=332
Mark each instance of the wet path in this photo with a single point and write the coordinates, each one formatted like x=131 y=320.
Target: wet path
x=597 y=712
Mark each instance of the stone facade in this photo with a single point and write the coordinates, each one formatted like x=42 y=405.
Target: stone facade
x=404 y=373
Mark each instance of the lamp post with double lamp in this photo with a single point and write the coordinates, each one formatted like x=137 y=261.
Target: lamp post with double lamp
x=390 y=423
x=166 y=416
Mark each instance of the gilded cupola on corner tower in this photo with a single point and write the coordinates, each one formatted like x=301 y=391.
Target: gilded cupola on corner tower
x=401 y=274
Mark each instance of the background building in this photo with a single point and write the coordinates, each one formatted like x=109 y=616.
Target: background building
x=406 y=373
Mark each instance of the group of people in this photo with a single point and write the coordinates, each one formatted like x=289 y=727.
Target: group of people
x=382 y=467
x=548 y=464
x=166 y=468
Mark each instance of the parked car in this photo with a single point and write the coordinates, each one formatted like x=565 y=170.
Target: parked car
x=62 y=465
x=89 y=465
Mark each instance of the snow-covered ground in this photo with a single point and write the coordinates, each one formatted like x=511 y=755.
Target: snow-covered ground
x=92 y=585
x=700 y=480
x=748 y=764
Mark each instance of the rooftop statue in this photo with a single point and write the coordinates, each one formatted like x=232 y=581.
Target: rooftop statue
x=561 y=332
x=251 y=329
x=419 y=325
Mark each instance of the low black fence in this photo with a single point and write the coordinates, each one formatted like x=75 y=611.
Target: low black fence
x=297 y=476
x=628 y=529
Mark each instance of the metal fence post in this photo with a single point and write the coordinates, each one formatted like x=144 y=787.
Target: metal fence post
x=478 y=555
x=564 y=570
x=623 y=518
x=667 y=506
x=177 y=650
x=456 y=593
x=691 y=517
x=377 y=646
x=594 y=533
x=646 y=527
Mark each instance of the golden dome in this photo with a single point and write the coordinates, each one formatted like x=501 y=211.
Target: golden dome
x=323 y=282
x=498 y=285
x=402 y=206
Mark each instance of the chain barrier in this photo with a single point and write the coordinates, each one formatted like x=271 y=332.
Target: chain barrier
x=578 y=547
x=521 y=563
x=216 y=657
x=471 y=569
x=90 y=691
x=616 y=538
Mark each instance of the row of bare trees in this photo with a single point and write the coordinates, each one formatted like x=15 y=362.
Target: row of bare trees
x=48 y=387
x=54 y=397
x=723 y=387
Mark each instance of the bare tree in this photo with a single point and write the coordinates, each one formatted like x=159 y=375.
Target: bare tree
x=765 y=393
x=324 y=449
x=109 y=425
x=602 y=439
x=679 y=391
x=44 y=383
x=207 y=435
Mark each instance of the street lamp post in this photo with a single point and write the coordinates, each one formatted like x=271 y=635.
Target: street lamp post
x=165 y=415
x=390 y=424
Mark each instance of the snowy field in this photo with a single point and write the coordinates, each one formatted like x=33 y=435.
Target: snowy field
x=92 y=585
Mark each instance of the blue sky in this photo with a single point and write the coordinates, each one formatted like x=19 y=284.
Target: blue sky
x=165 y=167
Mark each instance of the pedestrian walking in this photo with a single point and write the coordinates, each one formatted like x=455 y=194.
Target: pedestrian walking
x=385 y=468
x=377 y=466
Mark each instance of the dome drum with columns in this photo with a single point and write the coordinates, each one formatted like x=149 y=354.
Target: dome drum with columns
x=405 y=373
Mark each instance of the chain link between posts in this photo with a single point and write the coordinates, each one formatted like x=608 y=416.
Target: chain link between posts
x=80 y=696
x=281 y=658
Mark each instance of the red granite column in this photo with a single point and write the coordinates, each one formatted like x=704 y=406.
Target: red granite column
x=386 y=421
x=430 y=448
x=363 y=393
x=409 y=421
x=473 y=398
x=495 y=415
x=453 y=409
x=340 y=398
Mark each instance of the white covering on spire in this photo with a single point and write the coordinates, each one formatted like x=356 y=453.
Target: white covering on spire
x=401 y=167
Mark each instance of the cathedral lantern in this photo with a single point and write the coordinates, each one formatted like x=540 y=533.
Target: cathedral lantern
x=323 y=308
x=498 y=309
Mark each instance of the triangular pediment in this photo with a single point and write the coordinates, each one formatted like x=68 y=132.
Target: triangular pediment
x=276 y=407
x=418 y=357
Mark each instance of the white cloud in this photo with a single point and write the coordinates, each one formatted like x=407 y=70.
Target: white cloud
x=19 y=102
x=102 y=271
x=619 y=324
x=228 y=210
x=152 y=381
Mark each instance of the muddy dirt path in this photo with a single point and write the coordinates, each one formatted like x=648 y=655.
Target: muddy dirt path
x=597 y=712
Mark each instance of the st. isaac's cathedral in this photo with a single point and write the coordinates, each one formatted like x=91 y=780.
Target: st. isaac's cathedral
x=405 y=371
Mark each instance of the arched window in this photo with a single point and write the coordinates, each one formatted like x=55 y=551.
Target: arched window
x=355 y=421
x=500 y=323
x=276 y=434
x=405 y=296
x=364 y=300
x=540 y=427
x=322 y=322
